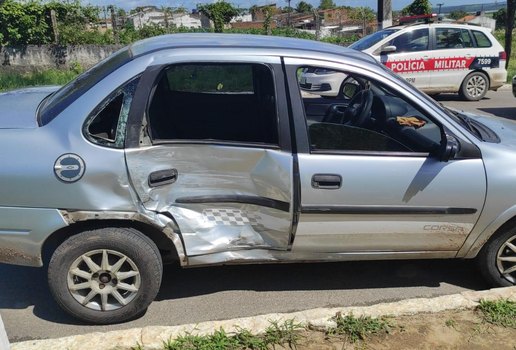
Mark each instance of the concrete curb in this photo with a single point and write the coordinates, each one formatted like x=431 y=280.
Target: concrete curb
x=152 y=338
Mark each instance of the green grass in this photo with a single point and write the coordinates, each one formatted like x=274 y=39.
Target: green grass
x=511 y=70
x=500 y=312
x=286 y=334
x=358 y=328
x=12 y=80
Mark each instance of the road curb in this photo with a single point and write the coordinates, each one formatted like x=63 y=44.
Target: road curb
x=152 y=337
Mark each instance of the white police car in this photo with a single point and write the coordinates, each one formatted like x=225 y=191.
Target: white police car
x=435 y=57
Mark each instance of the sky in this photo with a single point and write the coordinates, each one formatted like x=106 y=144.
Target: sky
x=396 y=4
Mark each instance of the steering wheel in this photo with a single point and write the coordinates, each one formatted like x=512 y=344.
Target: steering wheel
x=359 y=108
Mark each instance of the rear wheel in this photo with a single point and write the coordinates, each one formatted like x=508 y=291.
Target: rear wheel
x=104 y=276
x=474 y=87
x=498 y=259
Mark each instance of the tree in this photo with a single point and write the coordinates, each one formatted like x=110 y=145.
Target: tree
x=457 y=14
x=501 y=18
x=220 y=13
x=511 y=11
x=418 y=7
x=327 y=4
x=304 y=7
x=362 y=14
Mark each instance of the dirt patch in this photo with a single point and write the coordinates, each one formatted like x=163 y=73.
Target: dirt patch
x=445 y=330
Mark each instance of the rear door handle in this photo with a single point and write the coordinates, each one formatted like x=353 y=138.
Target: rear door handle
x=327 y=181
x=162 y=177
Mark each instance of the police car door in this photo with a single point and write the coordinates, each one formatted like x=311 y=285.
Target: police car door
x=451 y=58
x=410 y=58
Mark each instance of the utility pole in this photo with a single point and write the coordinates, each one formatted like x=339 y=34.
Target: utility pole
x=53 y=19
x=439 y=11
x=384 y=14
x=114 y=24
x=288 y=14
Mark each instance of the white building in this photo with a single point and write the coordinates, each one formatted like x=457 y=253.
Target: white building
x=153 y=16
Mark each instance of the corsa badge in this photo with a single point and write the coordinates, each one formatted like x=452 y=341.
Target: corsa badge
x=69 y=168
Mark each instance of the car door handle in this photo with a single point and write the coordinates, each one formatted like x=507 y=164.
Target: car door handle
x=327 y=181
x=425 y=58
x=162 y=177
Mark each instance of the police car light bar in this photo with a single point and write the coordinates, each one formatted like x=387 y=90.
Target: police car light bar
x=418 y=18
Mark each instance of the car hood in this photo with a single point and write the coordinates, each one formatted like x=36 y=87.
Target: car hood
x=504 y=128
x=18 y=107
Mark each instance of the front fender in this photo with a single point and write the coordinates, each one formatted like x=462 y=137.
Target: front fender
x=469 y=251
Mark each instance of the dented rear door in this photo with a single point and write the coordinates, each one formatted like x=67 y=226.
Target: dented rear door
x=206 y=167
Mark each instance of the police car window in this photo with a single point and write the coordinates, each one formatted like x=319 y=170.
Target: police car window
x=415 y=40
x=481 y=39
x=375 y=119
x=452 y=38
x=466 y=38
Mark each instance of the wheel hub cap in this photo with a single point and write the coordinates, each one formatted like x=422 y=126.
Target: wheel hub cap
x=103 y=280
x=506 y=260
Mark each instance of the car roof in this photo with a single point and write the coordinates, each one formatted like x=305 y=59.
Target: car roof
x=441 y=24
x=212 y=40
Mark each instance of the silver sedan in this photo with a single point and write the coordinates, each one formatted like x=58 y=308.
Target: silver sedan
x=203 y=149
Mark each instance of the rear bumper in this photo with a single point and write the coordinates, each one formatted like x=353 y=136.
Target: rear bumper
x=498 y=78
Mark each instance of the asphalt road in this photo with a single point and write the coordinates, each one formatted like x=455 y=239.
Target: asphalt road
x=202 y=294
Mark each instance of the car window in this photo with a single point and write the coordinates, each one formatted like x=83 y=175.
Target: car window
x=481 y=39
x=368 y=41
x=62 y=98
x=106 y=125
x=376 y=119
x=215 y=102
x=411 y=41
x=452 y=38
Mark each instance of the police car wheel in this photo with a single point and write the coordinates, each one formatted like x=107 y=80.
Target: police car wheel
x=474 y=87
x=104 y=276
x=497 y=259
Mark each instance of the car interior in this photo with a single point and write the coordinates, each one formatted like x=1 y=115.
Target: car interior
x=215 y=102
x=367 y=116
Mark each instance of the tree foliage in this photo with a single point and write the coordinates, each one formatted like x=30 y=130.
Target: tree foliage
x=362 y=14
x=457 y=14
x=304 y=7
x=220 y=12
x=327 y=4
x=418 y=7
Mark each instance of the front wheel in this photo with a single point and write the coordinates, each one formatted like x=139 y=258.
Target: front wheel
x=497 y=259
x=474 y=87
x=105 y=276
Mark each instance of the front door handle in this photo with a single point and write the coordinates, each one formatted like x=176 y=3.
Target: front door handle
x=327 y=181
x=162 y=177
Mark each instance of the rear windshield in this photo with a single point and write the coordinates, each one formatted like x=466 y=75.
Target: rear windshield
x=55 y=103
x=368 y=41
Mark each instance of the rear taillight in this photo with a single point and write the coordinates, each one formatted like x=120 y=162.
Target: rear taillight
x=502 y=55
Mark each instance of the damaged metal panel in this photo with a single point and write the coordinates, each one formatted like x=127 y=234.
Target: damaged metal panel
x=159 y=221
x=224 y=197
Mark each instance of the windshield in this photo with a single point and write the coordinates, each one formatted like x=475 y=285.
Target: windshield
x=368 y=41
x=62 y=98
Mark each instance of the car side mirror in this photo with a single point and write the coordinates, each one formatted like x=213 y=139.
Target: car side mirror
x=449 y=148
x=388 y=49
x=349 y=90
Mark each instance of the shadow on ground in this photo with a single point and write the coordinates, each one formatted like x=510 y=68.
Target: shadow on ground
x=22 y=287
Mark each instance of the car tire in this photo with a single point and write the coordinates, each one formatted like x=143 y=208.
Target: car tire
x=474 y=87
x=494 y=259
x=105 y=276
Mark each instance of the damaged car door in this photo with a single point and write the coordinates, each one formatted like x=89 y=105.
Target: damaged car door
x=213 y=153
